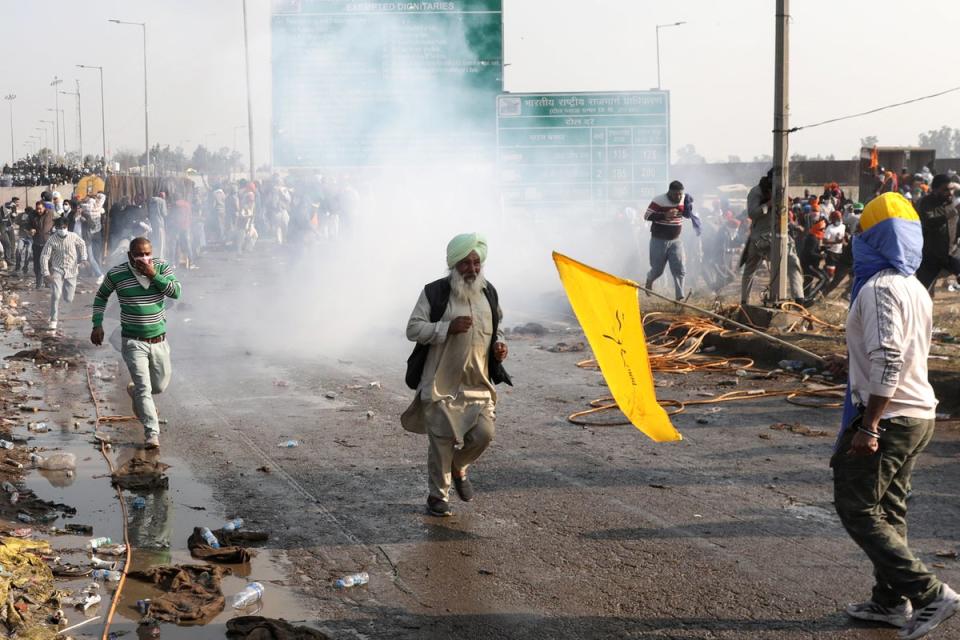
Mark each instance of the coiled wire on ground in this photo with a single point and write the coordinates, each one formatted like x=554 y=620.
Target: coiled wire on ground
x=677 y=349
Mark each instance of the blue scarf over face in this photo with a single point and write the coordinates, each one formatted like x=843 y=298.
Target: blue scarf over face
x=891 y=238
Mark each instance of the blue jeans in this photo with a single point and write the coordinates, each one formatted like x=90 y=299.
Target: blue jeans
x=662 y=252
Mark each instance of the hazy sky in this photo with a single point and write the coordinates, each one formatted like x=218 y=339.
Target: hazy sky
x=845 y=57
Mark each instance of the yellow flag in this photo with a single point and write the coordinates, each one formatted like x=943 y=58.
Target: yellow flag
x=609 y=312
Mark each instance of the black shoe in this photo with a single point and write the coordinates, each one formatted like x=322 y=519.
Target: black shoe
x=438 y=507
x=463 y=487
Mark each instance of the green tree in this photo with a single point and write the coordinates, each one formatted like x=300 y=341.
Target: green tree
x=687 y=154
x=869 y=141
x=945 y=140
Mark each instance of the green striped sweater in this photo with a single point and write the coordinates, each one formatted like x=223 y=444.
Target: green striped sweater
x=141 y=310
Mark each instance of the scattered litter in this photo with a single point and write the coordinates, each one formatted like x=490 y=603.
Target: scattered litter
x=54 y=461
x=741 y=373
x=264 y=469
x=485 y=572
x=704 y=420
x=370 y=415
x=951 y=555
x=708 y=349
x=281 y=383
x=563 y=347
x=765 y=436
x=531 y=329
x=79 y=529
x=96 y=543
x=289 y=444
x=800 y=429
x=112 y=549
x=259 y=628
x=792 y=365
x=728 y=383
x=330 y=395
x=657 y=486
x=139 y=503
x=251 y=594
x=138 y=474
x=352 y=580
x=192 y=592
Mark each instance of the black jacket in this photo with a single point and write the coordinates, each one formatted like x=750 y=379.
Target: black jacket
x=438 y=294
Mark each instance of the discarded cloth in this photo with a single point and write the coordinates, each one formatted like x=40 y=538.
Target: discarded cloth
x=260 y=628
x=138 y=474
x=192 y=595
x=231 y=550
x=26 y=583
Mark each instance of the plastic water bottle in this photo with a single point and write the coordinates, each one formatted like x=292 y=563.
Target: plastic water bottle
x=106 y=575
x=99 y=563
x=5 y=444
x=289 y=444
x=352 y=580
x=98 y=542
x=251 y=594
x=211 y=539
x=233 y=525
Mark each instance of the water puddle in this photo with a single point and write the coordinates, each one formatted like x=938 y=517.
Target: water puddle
x=158 y=528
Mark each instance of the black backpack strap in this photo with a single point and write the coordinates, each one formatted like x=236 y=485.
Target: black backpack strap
x=495 y=368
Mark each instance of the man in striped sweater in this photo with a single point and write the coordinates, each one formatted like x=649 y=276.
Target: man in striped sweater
x=60 y=263
x=666 y=213
x=141 y=284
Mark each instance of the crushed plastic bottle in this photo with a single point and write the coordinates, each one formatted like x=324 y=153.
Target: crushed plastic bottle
x=96 y=543
x=55 y=461
x=233 y=525
x=289 y=444
x=211 y=539
x=100 y=563
x=791 y=365
x=105 y=574
x=250 y=595
x=5 y=444
x=352 y=580
x=24 y=517
x=38 y=427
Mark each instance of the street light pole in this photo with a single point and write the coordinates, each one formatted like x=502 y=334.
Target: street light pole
x=103 y=117
x=10 y=97
x=44 y=129
x=146 y=107
x=246 y=60
x=663 y=26
x=79 y=119
x=56 y=102
x=780 y=248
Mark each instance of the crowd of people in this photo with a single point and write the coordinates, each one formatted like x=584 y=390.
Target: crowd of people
x=37 y=170
x=297 y=212
x=722 y=241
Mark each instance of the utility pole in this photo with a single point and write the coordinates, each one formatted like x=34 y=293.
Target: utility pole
x=246 y=60
x=781 y=159
x=146 y=103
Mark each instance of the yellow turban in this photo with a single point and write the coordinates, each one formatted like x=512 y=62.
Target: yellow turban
x=461 y=246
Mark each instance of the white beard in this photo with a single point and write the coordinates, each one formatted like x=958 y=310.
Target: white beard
x=467 y=291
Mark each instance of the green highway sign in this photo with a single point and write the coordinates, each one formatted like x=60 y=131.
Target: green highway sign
x=360 y=84
x=595 y=152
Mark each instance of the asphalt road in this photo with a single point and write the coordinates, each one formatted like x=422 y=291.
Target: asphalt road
x=575 y=532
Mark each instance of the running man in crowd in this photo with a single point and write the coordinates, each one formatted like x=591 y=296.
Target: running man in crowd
x=63 y=255
x=141 y=283
x=666 y=213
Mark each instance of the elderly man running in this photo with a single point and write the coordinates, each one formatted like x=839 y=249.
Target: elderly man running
x=454 y=367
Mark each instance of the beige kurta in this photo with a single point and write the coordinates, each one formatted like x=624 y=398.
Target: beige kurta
x=455 y=388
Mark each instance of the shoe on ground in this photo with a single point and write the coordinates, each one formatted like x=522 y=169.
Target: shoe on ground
x=463 y=488
x=152 y=441
x=53 y=325
x=870 y=610
x=438 y=507
x=928 y=618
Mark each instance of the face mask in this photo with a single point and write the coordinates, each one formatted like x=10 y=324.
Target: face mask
x=62 y=233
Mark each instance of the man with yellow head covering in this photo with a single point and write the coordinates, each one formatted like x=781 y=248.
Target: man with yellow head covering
x=888 y=417
x=454 y=367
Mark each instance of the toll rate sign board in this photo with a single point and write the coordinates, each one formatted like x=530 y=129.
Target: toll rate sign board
x=582 y=153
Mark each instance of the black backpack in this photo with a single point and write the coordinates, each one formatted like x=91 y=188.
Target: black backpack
x=438 y=294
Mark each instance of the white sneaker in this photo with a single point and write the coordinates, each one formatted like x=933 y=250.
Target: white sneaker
x=929 y=617
x=53 y=325
x=870 y=610
x=152 y=441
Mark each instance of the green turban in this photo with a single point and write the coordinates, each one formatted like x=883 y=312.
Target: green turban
x=461 y=246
